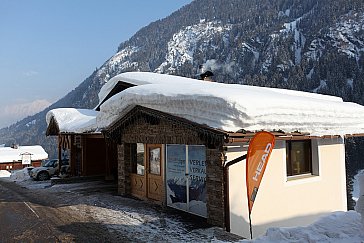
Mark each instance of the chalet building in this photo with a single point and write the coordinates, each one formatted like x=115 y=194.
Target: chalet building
x=180 y=144
x=17 y=157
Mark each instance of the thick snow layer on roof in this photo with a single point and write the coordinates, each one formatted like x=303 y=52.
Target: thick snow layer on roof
x=8 y=154
x=232 y=107
x=138 y=78
x=73 y=120
x=141 y=78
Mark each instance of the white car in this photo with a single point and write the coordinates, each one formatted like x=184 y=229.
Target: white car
x=45 y=172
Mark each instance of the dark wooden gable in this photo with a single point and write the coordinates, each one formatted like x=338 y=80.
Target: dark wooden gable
x=53 y=128
x=120 y=86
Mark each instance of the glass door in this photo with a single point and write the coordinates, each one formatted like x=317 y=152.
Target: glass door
x=155 y=188
x=186 y=178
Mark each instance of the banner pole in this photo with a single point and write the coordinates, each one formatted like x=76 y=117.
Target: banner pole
x=249 y=209
x=250 y=227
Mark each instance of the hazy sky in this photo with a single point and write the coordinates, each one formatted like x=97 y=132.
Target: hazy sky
x=48 y=47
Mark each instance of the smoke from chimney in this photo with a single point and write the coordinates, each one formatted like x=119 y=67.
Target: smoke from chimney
x=213 y=66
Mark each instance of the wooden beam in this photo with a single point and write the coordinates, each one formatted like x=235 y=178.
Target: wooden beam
x=354 y=135
x=289 y=136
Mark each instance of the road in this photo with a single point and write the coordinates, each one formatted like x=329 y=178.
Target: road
x=31 y=216
x=92 y=211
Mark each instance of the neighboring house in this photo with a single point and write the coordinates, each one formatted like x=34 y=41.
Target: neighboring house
x=18 y=157
x=81 y=144
x=175 y=137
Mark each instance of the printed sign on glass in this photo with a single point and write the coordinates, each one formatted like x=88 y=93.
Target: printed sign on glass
x=197 y=180
x=186 y=178
x=176 y=176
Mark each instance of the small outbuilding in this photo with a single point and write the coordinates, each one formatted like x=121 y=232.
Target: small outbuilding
x=80 y=144
x=17 y=157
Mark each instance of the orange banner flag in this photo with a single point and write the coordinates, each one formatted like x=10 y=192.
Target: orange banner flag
x=259 y=150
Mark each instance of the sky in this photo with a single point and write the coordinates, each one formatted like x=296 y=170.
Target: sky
x=48 y=47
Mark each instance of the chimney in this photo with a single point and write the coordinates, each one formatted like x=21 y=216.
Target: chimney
x=207 y=76
x=14 y=146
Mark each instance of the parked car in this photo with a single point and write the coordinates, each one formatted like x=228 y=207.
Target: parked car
x=45 y=172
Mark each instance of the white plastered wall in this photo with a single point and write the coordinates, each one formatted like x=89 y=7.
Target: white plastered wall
x=288 y=202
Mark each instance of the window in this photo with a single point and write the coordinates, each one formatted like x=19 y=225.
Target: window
x=137 y=158
x=298 y=157
x=155 y=161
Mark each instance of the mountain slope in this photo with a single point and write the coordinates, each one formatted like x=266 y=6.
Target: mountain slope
x=310 y=45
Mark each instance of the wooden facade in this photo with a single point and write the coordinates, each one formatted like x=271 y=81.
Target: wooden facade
x=88 y=155
x=17 y=165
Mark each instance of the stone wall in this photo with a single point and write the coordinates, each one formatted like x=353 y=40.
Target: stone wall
x=124 y=167
x=215 y=186
x=162 y=133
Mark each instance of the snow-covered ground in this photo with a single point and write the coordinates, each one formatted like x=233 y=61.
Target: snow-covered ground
x=4 y=173
x=359 y=207
x=356 y=185
x=337 y=227
x=147 y=222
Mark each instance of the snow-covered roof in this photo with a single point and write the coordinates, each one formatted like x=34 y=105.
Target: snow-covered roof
x=232 y=107
x=229 y=107
x=71 y=120
x=136 y=79
x=8 y=154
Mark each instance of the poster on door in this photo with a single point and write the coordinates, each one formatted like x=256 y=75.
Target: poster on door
x=176 y=176
x=186 y=178
x=197 y=180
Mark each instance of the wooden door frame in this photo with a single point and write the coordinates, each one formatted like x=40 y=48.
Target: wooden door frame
x=142 y=192
x=149 y=176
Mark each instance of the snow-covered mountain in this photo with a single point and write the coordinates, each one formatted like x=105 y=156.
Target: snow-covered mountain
x=309 y=45
x=17 y=111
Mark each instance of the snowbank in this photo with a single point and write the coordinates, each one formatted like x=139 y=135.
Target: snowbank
x=356 y=185
x=233 y=107
x=359 y=207
x=20 y=175
x=337 y=227
x=4 y=173
x=73 y=120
